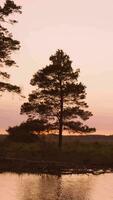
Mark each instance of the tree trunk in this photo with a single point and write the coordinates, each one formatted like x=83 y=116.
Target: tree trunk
x=60 y=136
x=61 y=117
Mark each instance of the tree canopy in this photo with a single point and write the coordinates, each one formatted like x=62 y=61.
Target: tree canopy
x=7 y=43
x=59 y=97
x=25 y=131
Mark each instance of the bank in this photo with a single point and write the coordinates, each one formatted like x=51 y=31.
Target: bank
x=45 y=157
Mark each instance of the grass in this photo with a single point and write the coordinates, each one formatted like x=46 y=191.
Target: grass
x=44 y=154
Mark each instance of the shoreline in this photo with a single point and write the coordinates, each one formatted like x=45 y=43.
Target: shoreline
x=77 y=156
x=49 y=167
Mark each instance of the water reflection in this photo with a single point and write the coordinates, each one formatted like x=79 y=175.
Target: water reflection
x=48 y=187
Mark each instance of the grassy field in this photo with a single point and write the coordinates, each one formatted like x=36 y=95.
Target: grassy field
x=77 y=153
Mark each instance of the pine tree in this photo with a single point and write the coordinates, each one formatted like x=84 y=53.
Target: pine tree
x=7 y=44
x=59 y=97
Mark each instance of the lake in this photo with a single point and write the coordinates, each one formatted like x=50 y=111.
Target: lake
x=50 y=187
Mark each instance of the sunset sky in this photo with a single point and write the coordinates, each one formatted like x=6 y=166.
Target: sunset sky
x=84 y=30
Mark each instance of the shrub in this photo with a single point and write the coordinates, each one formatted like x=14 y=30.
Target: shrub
x=25 y=131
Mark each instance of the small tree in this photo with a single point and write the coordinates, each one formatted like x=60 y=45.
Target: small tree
x=59 y=97
x=7 y=44
x=25 y=131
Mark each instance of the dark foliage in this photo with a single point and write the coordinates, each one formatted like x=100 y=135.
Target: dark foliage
x=59 y=97
x=7 y=43
x=25 y=131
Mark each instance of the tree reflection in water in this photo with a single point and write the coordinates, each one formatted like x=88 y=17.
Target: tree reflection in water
x=48 y=187
x=62 y=187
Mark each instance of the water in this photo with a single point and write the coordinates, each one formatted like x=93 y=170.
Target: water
x=49 y=187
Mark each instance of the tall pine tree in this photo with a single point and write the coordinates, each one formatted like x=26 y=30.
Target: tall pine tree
x=59 y=97
x=7 y=44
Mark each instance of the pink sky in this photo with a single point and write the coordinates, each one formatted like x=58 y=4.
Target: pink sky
x=84 y=30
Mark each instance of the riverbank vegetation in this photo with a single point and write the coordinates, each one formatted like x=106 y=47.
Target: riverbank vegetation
x=43 y=154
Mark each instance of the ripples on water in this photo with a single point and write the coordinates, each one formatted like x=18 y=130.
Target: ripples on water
x=49 y=187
